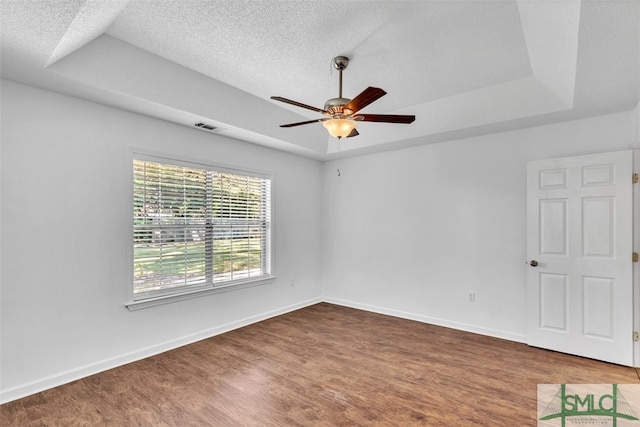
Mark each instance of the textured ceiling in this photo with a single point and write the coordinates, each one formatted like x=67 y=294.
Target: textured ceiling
x=277 y=47
x=462 y=67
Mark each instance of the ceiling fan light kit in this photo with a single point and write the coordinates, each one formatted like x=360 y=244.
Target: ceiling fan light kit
x=339 y=128
x=342 y=112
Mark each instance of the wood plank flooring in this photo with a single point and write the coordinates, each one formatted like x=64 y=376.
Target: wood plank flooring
x=324 y=365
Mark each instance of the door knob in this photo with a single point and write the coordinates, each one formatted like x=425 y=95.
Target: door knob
x=533 y=263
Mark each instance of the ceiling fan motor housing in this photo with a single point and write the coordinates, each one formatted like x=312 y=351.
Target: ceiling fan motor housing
x=335 y=107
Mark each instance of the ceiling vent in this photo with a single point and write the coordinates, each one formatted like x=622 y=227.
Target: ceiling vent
x=205 y=126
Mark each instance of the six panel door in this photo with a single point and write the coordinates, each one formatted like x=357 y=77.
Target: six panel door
x=579 y=233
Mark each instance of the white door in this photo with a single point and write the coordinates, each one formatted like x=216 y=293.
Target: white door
x=580 y=235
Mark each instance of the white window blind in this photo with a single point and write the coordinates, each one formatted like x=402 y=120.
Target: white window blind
x=196 y=227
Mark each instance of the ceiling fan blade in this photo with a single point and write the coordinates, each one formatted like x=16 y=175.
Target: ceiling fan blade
x=290 y=125
x=384 y=118
x=353 y=133
x=365 y=98
x=298 y=104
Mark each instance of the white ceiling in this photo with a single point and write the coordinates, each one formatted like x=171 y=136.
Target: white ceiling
x=464 y=68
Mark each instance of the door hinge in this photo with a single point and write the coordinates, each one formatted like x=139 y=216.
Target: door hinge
x=634 y=257
x=635 y=336
x=635 y=178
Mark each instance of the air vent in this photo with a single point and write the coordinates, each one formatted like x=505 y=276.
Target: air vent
x=207 y=127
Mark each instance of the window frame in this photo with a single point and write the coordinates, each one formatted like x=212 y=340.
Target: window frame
x=135 y=302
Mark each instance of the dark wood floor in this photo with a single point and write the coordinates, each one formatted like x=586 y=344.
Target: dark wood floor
x=324 y=365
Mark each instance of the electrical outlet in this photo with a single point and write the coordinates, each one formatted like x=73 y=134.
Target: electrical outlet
x=472 y=297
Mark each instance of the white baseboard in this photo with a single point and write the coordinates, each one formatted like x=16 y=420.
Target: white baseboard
x=56 y=380
x=428 y=319
x=27 y=389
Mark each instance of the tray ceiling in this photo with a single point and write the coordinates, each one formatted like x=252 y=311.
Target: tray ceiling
x=464 y=68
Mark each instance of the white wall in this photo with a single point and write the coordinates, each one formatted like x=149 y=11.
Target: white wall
x=66 y=236
x=411 y=232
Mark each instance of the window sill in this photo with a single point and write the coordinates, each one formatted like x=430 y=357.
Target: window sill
x=166 y=299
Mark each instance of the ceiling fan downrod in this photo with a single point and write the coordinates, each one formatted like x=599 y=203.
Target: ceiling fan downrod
x=335 y=106
x=340 y=63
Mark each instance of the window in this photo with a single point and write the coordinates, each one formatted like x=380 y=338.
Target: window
x=197 y=227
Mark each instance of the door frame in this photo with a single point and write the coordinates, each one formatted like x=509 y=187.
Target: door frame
x=636 y=265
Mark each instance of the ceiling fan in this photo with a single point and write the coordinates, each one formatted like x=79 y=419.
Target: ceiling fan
x=343 y=112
